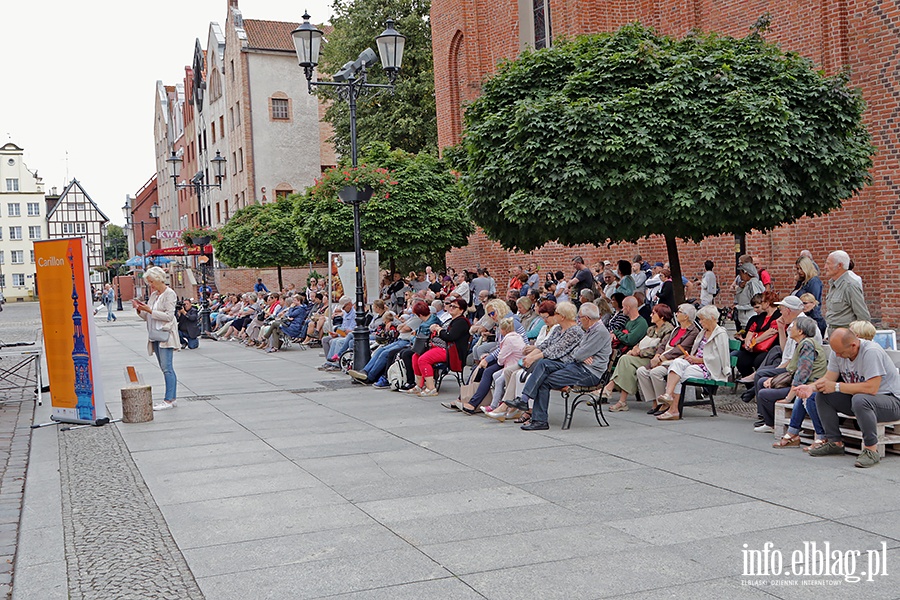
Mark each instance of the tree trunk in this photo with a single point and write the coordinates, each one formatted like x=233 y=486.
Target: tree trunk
x=675 y=268
x=393 y=266
x=280 y=282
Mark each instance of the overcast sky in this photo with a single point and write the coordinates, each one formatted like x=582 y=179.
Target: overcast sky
x=79 y=80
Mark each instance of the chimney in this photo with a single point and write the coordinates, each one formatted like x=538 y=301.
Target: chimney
x=53 y=191
x=232 y=3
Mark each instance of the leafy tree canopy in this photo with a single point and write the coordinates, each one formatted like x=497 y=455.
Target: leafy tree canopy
x=622 y=135
x=414 y=217
x=260 y=235
x=406 y=120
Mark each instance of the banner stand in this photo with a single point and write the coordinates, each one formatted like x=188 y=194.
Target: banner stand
x=70 y=337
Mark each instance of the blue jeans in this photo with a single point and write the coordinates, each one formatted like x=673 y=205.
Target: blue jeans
x=484 y=386
x=378 y=363
x=110 y=315
x=799 y=413
x=339 y=346
x=164 y=357
x=549 y=375
x=191 y=343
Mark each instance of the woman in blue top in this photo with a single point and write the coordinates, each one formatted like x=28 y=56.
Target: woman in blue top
x=808 y=282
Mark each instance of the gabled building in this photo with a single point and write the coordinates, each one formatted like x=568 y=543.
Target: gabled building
x=244 y=97
x=77 y=215
x=22 y=222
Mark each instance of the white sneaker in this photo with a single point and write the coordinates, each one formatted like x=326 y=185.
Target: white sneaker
x=428 y=392
x=763 y=429
x=164 y=405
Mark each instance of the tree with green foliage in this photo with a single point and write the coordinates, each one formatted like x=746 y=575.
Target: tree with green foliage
x=260 y=236
x=415 y=215
x=618 y=136
x=407 y=119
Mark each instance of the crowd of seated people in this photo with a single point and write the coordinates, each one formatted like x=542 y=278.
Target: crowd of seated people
x=613 y=327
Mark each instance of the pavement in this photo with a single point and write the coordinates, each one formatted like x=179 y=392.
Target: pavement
x=274 y=480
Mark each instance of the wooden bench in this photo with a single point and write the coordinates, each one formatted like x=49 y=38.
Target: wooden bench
x=888 y=433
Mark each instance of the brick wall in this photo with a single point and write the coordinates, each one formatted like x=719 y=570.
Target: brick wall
x=242 y=280
x=469 y=37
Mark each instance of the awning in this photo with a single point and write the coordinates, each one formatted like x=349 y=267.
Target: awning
x=180 y=251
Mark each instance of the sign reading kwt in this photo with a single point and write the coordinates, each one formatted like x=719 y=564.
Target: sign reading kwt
x=169 y=234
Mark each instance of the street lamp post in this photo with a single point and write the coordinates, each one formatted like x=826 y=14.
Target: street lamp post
x=349 y=82
x=205 y=325
x=130 y=223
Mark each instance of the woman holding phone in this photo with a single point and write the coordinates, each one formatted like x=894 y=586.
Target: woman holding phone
x=162 y=329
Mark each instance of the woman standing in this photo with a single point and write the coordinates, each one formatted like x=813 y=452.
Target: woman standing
x=162 y=329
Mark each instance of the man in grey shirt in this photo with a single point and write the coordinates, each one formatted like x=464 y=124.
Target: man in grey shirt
x=845 y=302
x=478 y=285
x=869 y=388
x=591 y=361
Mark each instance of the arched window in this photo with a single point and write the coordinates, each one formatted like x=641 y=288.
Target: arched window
x=456 y=82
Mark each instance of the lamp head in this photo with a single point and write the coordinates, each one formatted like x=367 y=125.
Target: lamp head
x=390 y=46
x=307 y=43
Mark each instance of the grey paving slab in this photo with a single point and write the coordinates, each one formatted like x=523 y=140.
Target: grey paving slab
x=475 y=523
x=204 y=456
x=41 y=545
x=549 y=463
x=222 y=559
x=325 y=577
x=46 y=581
x=448 y=503
x=449 y=588
x=886 y=523
x=530 y=547
x=705 y=522
x=590 y=577
x=229 y=482
x=715 y=589
x=257 y=516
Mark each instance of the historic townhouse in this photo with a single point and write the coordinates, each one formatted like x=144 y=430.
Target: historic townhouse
x=22 y=222
x=76 y=215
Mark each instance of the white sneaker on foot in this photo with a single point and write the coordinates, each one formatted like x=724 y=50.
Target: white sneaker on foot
x=164 y=405
x=764 y=429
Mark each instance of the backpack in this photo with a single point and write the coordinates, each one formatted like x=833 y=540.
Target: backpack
x=396 y=374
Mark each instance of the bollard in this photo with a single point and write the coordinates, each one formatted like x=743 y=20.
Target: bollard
x=137 y=404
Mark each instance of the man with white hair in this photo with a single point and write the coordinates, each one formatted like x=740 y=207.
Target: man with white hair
x=345 y=304
x=591 y=361
x=845 y=302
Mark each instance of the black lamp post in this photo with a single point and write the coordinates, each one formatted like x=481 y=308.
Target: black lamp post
x=205 y=325
x=349 y=82
x=196 y=182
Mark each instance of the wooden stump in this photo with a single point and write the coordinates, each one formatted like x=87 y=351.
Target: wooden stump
x=137 y=404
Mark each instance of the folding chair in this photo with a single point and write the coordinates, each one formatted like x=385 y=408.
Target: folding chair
x=707 y=388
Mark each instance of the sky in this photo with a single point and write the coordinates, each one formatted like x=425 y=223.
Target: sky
x=79 y=82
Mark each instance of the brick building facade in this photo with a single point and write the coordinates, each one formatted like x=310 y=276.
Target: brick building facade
x=469 y=37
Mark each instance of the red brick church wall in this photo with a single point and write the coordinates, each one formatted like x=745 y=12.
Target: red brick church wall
x=470 y=36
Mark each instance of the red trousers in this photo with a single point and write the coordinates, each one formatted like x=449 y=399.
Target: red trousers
x=423 y=364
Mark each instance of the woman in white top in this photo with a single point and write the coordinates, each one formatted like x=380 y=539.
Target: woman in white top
x=162 y=329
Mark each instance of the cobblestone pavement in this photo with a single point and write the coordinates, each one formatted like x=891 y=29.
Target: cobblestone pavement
x=118 y=545
x=18 y=322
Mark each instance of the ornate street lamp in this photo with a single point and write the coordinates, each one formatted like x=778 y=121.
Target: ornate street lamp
x=348 y=83
x=196 y=182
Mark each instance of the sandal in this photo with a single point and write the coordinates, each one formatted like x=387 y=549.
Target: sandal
x=787 y=441
x=816 y=443
x=618 y=407
x=523 y=418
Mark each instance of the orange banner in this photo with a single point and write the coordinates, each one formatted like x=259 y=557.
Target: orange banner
x=69 y=333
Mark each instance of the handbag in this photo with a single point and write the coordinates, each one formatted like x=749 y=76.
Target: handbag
x=782 y=380
x=155 y=330
x=467 y=390
x=420 y=345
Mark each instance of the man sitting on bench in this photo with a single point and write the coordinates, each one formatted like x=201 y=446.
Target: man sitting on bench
x=869 y=389
x=591 y=361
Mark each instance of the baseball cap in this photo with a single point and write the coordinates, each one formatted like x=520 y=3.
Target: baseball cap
x=792 y=302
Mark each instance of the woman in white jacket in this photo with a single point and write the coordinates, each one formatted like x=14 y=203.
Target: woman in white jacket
x=709 y=359
x=162 y=329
